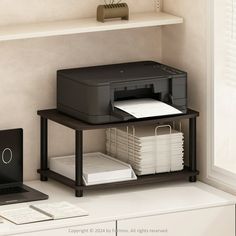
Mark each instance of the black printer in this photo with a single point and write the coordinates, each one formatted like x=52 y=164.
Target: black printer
x=89 y=93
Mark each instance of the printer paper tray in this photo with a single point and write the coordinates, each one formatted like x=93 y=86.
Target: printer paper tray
x=121 y=115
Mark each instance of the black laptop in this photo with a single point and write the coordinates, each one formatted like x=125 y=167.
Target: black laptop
x=12 y=189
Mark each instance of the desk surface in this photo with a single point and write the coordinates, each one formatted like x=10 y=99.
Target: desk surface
x=110 y=205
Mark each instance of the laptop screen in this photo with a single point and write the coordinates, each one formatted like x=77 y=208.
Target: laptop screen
x=11 y=156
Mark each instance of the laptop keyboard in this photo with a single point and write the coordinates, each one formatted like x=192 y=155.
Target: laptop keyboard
x=12 y=190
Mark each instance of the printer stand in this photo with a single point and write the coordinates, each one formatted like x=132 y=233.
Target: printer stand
x=190 y=172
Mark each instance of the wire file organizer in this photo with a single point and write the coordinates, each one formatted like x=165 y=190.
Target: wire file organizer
x=157 y=151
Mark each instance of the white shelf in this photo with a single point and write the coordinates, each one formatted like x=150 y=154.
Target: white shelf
x=86 y=25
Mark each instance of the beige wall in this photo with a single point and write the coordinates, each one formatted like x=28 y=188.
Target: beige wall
x=28 y=68
x=25 y=11
x=185 y=46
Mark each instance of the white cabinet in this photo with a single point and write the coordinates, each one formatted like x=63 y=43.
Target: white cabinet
x=102 y=229
x=179 y=209
x=215 y=221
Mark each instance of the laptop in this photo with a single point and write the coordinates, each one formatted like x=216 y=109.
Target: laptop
x=12 y=189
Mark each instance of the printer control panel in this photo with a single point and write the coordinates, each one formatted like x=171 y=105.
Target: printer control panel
x=169 y=70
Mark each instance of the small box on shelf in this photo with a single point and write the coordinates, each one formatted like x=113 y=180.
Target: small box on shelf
x=112 y=11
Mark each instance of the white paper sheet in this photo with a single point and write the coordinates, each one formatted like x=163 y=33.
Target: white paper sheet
x=143 y=108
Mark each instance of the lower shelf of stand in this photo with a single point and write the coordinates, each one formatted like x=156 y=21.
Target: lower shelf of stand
x=147 y=179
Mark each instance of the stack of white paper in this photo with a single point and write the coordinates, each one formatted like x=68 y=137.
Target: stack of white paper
x=147 y=107
x=98 y=168
x=146 y=152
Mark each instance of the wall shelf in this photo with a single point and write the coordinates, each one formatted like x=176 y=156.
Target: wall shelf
x=86 y=25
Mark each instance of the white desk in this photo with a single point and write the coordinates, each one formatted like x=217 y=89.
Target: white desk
x=187 y=208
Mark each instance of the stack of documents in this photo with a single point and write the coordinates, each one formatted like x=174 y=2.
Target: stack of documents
x=98 y=168
x=147 y=151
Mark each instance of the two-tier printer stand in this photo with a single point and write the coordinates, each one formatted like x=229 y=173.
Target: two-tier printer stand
x=189 y=172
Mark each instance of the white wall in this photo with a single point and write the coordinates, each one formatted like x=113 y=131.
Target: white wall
x=185 y=46
x=28 y=68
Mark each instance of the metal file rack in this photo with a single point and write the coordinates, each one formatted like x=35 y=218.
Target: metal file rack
x=190 y=172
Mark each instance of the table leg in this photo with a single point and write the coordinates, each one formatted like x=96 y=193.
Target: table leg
x=193 y=147
x=78 y=162
x=44 y=147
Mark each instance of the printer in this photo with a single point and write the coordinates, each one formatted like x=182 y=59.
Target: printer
x=89 y=93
